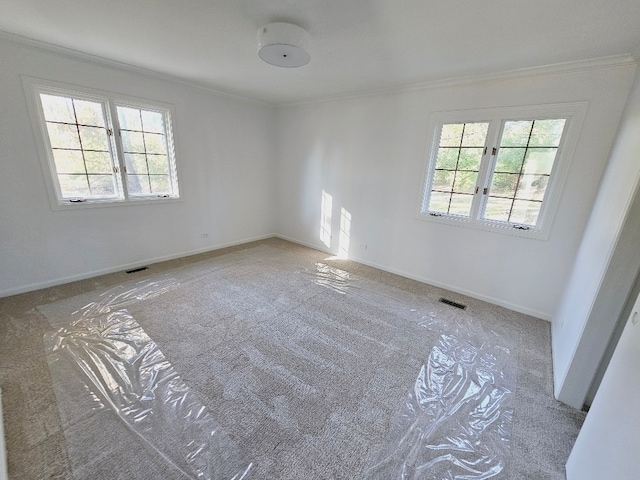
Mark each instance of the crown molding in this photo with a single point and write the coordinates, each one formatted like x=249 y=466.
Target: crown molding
x=600 y=63
x=614 y=61
x=126 y=67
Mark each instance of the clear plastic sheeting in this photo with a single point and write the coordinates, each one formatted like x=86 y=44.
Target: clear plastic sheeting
x=104 y=360
x=315 y=372
x=457 y=419
x=62 y=312
x=332 y=278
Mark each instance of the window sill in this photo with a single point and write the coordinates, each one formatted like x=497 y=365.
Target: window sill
x=111 y=202
x=485 y=225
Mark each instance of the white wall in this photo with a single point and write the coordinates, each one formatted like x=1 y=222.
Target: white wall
x=369 y=154
x=613 y=341
x=243 y=176
x=607 y=444
x=606 y=266
x=224 y=148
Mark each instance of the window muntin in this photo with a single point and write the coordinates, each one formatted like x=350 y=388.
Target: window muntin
x=457 y=167
x=525 y=159
x=523 y=166
x=96 y=152
x=78 y=138
x=144 y=145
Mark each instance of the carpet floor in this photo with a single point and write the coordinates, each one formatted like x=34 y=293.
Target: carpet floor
x=272 y=360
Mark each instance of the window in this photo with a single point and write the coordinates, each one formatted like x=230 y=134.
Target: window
x=101 y=149
x=500 y=169
x=457 y=167
x=144 y=144
x=525 y=159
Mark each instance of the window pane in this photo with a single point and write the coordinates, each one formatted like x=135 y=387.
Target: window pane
x=98 y=162
x=154 y=143
x=503 y=185
x=447 y=158
x=102 y=185
x=516 y=134
x=465 y=182
x=57 y=109
x=547 y=133
x=510 y=160
x=451 y=135
x=74 y=186
x=498 y=209
x=68 y=161
x=138 y=184
x=516 y=178
x=474 y=134
x=460 y=204
x=459 y=157
x=160 y=184
x=94 y=138
x=158 y=164
x=443 y=180
x=89 y=113
x=525 y=160
x=525 y=212
x=80 y=146
x=470 y=158
x=152 y=122
x=132 y=142
x=540 y=160
x=532 y=187
x=129 y=119
x=439 y=202
x=83 y=149
x=136 y=163
x=63 y=136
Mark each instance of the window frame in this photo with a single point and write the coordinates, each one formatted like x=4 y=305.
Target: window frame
x=110 y=101
x=574 y=114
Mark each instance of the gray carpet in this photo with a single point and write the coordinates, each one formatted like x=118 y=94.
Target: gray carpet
x=308 y=367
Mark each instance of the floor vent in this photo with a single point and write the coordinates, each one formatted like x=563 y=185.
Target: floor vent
x=137 y=269
x=453 y=304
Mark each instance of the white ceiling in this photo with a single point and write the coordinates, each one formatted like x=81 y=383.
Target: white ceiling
x=357 y=45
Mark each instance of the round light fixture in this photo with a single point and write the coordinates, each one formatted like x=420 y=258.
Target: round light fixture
x=283 y=45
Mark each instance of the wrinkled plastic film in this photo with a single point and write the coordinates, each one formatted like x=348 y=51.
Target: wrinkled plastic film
x=332 y=278
x=100 y=302
x=433 y=316
x=112 y=363
x=104 y=365
x=456 y=422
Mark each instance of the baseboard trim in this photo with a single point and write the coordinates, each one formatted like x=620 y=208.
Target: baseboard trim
x=127 y=266
x=478 y=296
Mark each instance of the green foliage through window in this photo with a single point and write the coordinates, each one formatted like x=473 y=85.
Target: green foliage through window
x=102 y=151
x=457 y=166
x=499 y=179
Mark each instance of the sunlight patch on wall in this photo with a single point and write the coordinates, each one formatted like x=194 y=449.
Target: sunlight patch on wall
x=326 y=204
x=345 y=233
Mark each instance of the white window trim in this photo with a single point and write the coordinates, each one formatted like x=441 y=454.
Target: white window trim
x=34 y=86
x=573 y=112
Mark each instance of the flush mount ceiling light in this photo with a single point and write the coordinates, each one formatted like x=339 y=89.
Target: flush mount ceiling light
x=284 y=45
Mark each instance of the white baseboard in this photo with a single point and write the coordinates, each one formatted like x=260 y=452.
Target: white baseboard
x=478 y=296
x=430 y=281
x=127 y=266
